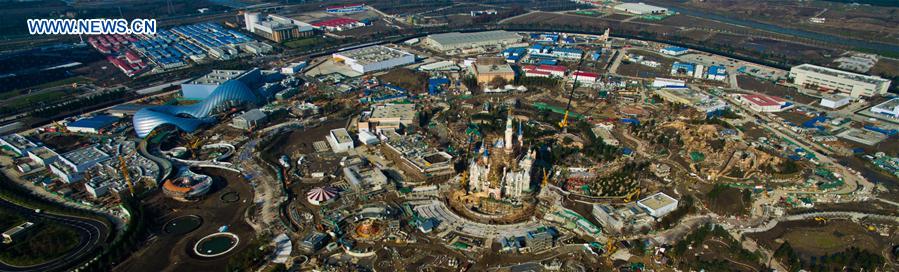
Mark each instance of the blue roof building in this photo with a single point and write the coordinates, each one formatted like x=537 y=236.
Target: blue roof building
x=435 y=83
x=679 y=68
x=94 y=124
x=673 y=50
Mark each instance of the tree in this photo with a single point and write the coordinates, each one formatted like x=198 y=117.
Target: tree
x=498 y=82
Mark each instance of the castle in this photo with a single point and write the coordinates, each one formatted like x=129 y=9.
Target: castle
x=503 y=174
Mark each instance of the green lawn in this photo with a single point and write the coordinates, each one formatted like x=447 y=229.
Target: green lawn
x=43 y=242
x=306 y=43
x=67 y=81
x=9 y=219
x=28 y=100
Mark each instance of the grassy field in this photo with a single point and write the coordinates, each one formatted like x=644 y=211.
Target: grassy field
x=27 y=100
x=9 y=219
x=305 y=44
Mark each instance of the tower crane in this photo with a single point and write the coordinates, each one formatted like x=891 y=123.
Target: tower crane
x=564 y=123
x=123 y=166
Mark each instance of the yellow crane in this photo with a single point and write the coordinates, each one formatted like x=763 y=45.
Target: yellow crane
x=464 y=179
x=632 y=196
x=123 y=166
x=545 y=178
x=564 y=123
x=821 y=219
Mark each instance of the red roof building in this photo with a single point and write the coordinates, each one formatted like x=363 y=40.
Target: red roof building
x=338 y=24
x=555 y=70
x=764 y=103
x=584 y=77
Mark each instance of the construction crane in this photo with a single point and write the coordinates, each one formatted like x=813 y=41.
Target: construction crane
x=564 y=123
x=545 y=179
x=632 y=195
x=194 y=145
x=821 y=219
x=123 y=166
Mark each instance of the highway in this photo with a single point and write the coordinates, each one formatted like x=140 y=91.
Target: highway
x=92 y=233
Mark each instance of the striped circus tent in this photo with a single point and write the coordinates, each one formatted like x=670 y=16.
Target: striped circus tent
x=320 y=195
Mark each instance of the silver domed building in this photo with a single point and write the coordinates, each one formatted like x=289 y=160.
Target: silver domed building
x=231 y=93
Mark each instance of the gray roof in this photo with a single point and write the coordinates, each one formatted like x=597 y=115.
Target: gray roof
x=253 y=115
x=474 y=37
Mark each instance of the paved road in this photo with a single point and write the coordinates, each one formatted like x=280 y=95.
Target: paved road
x=92 y=233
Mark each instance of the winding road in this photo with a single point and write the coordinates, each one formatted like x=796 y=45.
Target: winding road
x=91 y=233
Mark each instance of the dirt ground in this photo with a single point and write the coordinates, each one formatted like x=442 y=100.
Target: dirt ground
x=769 y=88
x=169 y=253
x=811 y=238
x=728 y=202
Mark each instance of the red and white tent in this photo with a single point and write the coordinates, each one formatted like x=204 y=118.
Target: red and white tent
x=320 y=195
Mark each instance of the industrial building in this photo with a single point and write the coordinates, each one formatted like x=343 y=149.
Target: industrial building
x=276 y=28
x=458 y=40
x=94 y=125
x=200 y=88
x=374 y=58
x=889 y=108
x=338 y=24
x=487 y=69
x=394 y=113
x=340 y=140
x=43 y=155
x=640 y=8
x=353 y=8
x=658 y=204
x=584 y=77
x=12 y=234
x=763 y=103
x=834 y=101
x=665 y=83
x=16 y=143
x=294 y=68
x=123 y=110
x=673 y=50
x=615 y=219
x=249 y=120
x=716 y=72
x=417 y=159
x=828 y=79
x=70 y=165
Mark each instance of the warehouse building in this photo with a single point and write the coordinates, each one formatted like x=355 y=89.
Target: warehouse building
x=93 y=125
x=487 y=69
x=457 y=40
x=340 y=140
x=70 y=165
x=658 y=205
x=640 y=8
x=673 y=50
x=276 y=28
x=14 y=233
x=828 y=79
x=394 y=113
x=834 y=101
x=764 y=103
x=338 y=24
x=123 y=110
x=374 y=58
x=16 y=143
x=200 y=88
x=889 y=108
x=249 y=120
